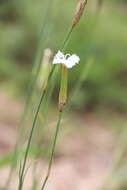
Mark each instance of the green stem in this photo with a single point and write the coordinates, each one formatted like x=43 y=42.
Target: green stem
x=63 y=88
x=67 y=38
x=37 y=63
x=29 y=142
x=52 y=151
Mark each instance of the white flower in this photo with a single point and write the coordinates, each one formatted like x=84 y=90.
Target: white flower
x=68 y=60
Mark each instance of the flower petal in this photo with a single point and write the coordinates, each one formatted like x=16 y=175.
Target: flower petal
x=72 y=60
x=59 y=55
x=68 y=60
x=58 y=58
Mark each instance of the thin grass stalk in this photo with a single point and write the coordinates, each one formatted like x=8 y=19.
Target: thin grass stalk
x=31 y=87
x=67 y=38
x=29 y=142
x=44 y=88
x=53 y=150
x=50 y=89
x=62 y=103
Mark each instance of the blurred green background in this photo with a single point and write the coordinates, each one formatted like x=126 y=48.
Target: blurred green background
x=101 y=36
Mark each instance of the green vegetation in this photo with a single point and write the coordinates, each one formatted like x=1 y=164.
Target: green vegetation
x=100 y=35
x=98 y=82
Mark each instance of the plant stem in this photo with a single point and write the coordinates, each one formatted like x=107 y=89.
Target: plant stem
x=63 y=88
x=53 y=150
x=29 y=142
x=67 y=38
x=36 y=66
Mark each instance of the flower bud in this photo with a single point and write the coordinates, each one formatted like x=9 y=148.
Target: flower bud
x=63 y=88
x=45 y=69
x=79 y=12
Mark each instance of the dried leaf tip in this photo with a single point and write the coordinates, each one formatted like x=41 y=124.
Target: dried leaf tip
x=79 y=12
x=44 y=69
x=47 y=56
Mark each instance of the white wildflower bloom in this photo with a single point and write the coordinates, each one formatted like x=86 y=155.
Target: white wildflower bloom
x=68 y=60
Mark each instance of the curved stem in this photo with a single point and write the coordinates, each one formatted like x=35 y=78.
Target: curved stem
x=29 y=142
x=37 y=63
x=52 y=151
